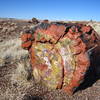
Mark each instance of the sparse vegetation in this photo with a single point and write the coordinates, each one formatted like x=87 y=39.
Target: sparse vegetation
x=11 y=51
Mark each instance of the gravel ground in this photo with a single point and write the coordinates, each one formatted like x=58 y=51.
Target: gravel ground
x=16 y=82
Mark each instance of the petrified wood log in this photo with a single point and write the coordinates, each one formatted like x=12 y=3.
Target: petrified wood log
x=60 y=53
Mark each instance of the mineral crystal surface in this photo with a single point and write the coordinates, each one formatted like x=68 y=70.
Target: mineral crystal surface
x=60 y=53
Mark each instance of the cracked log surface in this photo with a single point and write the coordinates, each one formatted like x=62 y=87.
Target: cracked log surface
x=60 y=53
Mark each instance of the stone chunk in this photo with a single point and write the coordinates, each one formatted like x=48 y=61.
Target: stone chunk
x=60 y=53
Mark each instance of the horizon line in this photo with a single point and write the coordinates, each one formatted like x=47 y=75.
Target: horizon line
x=48 y=19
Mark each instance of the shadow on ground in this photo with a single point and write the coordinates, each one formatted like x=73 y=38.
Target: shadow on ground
x=93 y=73
x=29 y=97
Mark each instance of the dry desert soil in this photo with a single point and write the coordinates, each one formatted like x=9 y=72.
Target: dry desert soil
x=16 y=81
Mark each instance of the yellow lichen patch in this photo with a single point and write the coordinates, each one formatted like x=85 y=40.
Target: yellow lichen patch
x=67 y=54
x=45 y=37
x=56 y=68
x=50 y=57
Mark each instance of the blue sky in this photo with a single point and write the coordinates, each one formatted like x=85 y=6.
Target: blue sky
x=51 y=9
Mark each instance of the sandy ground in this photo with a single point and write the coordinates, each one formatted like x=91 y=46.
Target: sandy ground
x=16 y=81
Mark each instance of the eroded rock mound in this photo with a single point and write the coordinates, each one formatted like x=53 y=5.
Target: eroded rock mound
x=60 y=53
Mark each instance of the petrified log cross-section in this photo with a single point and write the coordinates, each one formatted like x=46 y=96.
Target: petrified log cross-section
x=59 y=53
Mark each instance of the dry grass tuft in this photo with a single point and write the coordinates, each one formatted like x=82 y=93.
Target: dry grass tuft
x=11 y=51
x=22 y=73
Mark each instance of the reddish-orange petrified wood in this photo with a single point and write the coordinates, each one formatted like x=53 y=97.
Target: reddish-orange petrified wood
x=60 y=53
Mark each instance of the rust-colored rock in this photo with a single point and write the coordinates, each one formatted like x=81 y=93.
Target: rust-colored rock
x=60 y=53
